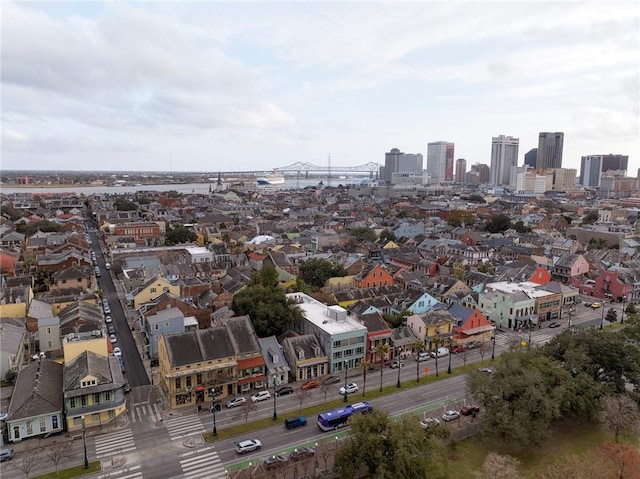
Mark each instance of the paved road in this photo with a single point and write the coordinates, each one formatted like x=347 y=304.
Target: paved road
x=135 y=370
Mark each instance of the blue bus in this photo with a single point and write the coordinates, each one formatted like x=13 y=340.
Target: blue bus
x=337 y=418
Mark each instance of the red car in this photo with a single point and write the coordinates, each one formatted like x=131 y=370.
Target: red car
x=458 y=348
x=310 y=384
x=469 y=410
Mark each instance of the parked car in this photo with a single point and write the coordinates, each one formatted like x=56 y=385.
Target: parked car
x=310 y=384
x=302 y=453
x=235 y=402
x=554 y=325
x=428 y=422
x=296 y=421
x=469 y=410
x=261 y=396
x=486 y=370
x=450 y=415
x=117 y=351
x=331 y=380
x=248 y=445
x=6 y=454
x=108 y=319
x=422 y=357
x=440 y=353
x=107 y=265
x=458 y=348
x=106 y=309
x=350 y=389
x=113 y=339
x=111 y=329
x=284 y=390
x=596 y=305
x=473 y=344
x=396 y=363
x=275 y=462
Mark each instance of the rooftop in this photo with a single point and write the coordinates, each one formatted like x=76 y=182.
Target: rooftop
x=332 y=319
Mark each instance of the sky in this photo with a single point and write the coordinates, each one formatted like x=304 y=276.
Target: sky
x=248 y=86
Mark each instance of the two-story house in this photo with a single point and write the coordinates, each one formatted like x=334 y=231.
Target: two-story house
x=378 y=334
x=152 y=288
x=305 y=356
x=433 y=328
x=193 y=363
x=166 y=321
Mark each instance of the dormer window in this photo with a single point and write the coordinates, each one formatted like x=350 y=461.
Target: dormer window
x=86 y=384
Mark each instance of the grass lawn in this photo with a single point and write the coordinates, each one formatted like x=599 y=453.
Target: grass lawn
x=75 y=471
x=574 y=439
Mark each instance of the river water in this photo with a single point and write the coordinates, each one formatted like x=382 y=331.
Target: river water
x=198 y=188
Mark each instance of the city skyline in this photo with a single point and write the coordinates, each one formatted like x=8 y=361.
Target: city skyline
x=209 y=86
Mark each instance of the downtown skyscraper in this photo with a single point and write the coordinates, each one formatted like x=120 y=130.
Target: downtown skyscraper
x=549 y=153
x=504 y=155
x=440 y=161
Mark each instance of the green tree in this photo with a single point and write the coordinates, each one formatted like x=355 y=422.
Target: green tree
x=520 y=227
x=363 y=234
x=418 y=347
x=387 y=235
x=120 y=204
x=315 y=272
x=271 y=312
x=590 y=218
x=611 y=316
x=457 y=217
x=498 y=223
x=522 y=397
x=179 y=235
x=364 y=365
x=476 y=199
x=45 y=226
x=267 y=277
x=10 y=376
x=390 y=449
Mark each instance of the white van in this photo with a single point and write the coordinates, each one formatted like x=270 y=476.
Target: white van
x=422 y=357
x=441 y=352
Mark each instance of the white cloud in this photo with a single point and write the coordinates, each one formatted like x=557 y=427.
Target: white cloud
x=277 y=83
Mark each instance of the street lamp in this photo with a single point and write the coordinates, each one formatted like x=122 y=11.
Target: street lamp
x=530 y=324
x=493 y=346
x=212 y=393
x=345 y=399
x=624 y=300
x=399 y=363
x=275 y=414
x=449 y=369
x=602 y=318
x=84 y=443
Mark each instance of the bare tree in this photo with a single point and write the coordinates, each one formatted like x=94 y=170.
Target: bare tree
x=301 y=395
x=619 y=414
x=245 y=410
x=57 y=452
x=325 y=388
x=27 y=461
x=496 y=466
x=483 y=351
x=382 y=350
x=418 y=347
x=465 y=356
x=325 y=451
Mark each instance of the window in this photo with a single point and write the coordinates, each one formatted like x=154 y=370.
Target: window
x=156 y=326
x=54 y=422
x=83 y=400
x=166 y=324
x=43 y=424
x=107 y=396
x=188 y=381
x=178 y=385
x=29 y=427
x=152 y=290
x=96 y=398
x=72 y=403
x=48 y=329
x=50 y=344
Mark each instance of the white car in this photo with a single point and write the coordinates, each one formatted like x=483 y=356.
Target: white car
x=450 y=415
x=107 y=319
x=117 y=351
x=261 y=396
x=350 y=389
x=235 y=402
x=428 y=422
x=248 y=446
x=112 y=338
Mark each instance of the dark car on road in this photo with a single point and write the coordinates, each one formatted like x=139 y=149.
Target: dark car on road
x=554 y=325
x=275 y=462
x=284 y=390
x=331 y=380
x=302 y=453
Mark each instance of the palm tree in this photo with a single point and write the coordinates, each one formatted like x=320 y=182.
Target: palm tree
x=436 y=343
x=365 y=365
x=382 y=350
x=418 y=347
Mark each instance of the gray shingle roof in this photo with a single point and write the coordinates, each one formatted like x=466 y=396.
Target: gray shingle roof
x=38 y=390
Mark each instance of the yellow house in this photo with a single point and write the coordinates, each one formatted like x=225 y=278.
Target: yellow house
x=96 y=342
x=196 y=363
x=15 y=301
x=153 y=288
x=433 y=329
x=93 y=390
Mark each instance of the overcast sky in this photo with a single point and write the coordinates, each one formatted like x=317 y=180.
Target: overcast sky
x=238 y=86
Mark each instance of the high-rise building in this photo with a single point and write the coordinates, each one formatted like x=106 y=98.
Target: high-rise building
x=397 y=162
x=504 y=155
x=440 y=161
x=549 y=150
x=461 y=170
x=478 y=175
x=530 y=157
x=593 y=166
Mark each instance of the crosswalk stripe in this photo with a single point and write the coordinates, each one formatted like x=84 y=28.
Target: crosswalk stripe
x=130 y=472
x=197 y=461
x=208 y=473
